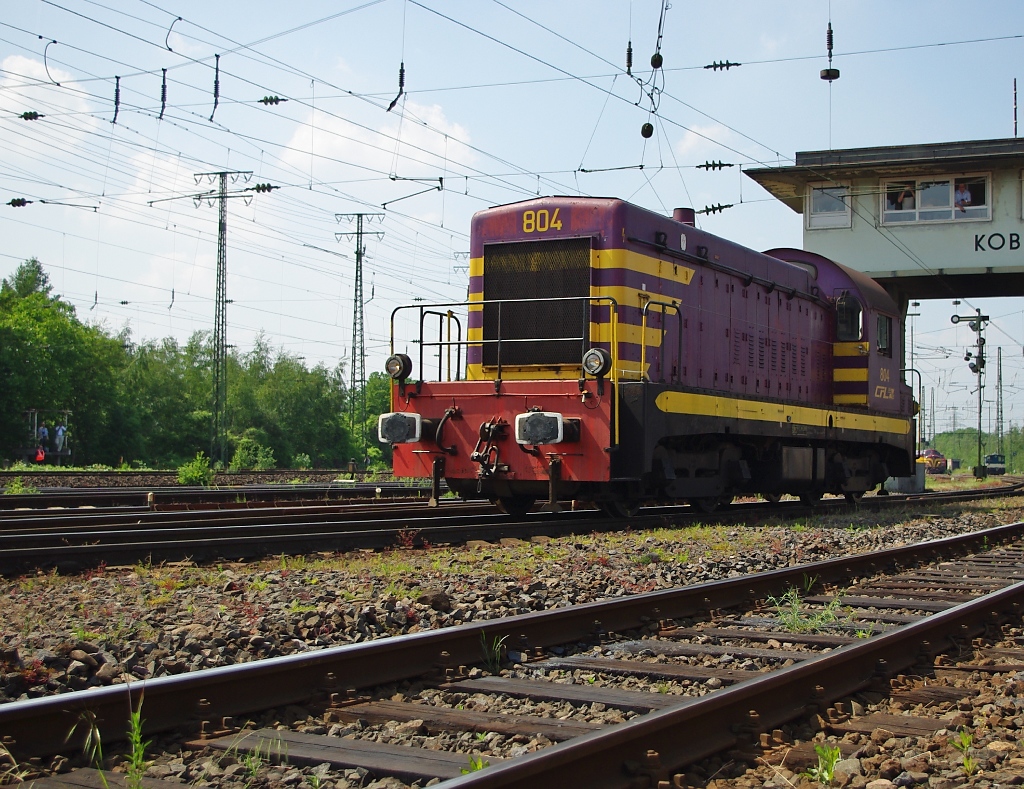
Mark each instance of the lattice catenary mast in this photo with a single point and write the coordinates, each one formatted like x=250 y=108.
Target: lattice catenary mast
x=357 y=373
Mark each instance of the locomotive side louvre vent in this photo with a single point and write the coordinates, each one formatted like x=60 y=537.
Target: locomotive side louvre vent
x=761 y=342
x=804 y=350
x=558 y=268
x=775 y=355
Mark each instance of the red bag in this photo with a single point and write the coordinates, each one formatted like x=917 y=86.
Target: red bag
x=40 y=455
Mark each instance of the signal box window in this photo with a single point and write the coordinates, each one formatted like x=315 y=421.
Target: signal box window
x=938 y=199
x=884 y=338
x=848 y=319
x=828 y=206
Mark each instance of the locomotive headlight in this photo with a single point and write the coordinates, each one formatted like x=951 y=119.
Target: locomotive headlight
x=597 y=362
x=398 y=366
x=396 y=428
x=545 y=427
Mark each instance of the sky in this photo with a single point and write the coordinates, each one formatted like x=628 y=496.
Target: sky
x=503 y=100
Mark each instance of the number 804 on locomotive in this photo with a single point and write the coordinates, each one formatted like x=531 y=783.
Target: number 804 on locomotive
x=613 y=355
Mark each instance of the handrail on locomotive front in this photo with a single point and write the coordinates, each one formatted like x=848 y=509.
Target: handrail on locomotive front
x=586 y=340
x=673 y=305
x=442 y=323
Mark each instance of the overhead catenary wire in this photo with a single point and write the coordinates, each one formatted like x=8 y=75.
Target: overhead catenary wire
x=162 y=35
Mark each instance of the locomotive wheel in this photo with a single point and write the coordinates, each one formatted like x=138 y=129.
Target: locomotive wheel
x=516 y=506
x=772 y=498
x=810 y=497
x=854 y=498
x=706 y=503
x=619 y=509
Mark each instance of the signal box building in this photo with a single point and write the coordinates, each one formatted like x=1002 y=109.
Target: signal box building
x=936 y=221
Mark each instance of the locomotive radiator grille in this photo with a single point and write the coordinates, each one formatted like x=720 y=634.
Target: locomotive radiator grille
x=536 y=270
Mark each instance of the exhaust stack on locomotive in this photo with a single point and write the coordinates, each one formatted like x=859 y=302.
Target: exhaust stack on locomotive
x=611 y=354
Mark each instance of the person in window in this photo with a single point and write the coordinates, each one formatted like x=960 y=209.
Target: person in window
x=905 y=199
x=962 y=198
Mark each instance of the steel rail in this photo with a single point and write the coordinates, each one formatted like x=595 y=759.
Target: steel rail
x=43 y=519
x=40 y=726
x=77 y=497
x=244 y=534
x=662 y=742
x=84 y=525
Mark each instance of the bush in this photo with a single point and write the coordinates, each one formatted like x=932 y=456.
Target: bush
x=196 y=472
x=250 y=454
x=302 y=461
x=265 y=460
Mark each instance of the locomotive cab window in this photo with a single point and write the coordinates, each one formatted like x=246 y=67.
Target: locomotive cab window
x=849 y=315
x=883 y=339
x=828 y=205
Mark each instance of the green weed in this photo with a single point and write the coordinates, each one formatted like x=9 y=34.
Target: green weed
x=92 y=745
x=82 y=634
x=135 y=766
x=963 y=741
x=17 y=487
x=476 y=763
x=824 y=771
x=797 y=620
x=492 y=652
x=10 y=770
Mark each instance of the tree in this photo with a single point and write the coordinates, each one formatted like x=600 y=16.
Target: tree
x=50 y=360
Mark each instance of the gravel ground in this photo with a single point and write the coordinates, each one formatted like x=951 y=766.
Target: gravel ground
x=115 y=624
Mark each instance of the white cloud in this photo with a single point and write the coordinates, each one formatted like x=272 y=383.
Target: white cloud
x=702 y=141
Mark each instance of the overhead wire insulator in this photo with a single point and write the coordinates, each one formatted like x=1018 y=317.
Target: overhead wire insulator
x=216 y=84
x=714 y=165
x=401 y=87
x=268 y=100
x=723 y=65
x=262 y=188
x=31 y=116
x=829 y=74
x=629 y=58
x=18 y=202
x=117 y=98
x=163 y=96
x=714 y=209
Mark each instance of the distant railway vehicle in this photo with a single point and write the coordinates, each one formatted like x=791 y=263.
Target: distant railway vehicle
x=995 y=464
x=618 y=356
x=935 y=462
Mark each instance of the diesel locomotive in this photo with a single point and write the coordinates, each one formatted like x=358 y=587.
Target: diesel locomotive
x=614 y=355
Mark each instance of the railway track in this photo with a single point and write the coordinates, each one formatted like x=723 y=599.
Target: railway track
x=678 y=675
x=74 y=539
x=173 y=498
x=91 y=478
